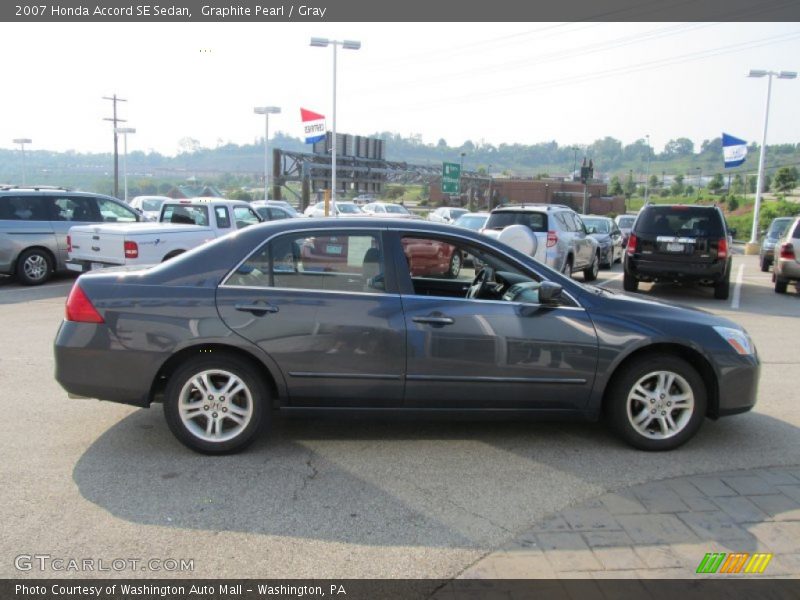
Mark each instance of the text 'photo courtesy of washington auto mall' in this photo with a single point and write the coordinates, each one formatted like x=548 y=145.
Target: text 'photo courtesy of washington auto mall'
x=383 y=303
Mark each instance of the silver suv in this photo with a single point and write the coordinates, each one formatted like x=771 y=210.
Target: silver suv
x=561 y=239
x=34 y=223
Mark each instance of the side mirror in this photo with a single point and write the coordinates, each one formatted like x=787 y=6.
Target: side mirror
x=549 y=291
x=733 y=231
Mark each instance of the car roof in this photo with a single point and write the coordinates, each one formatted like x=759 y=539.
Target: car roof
x=39 y=190
x=531 y=207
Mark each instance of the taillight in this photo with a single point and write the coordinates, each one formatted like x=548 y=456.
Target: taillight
x=722 y=248
x=131 y=250
x=69 y=243
x=787 y=251
x=552 y=239
x=632 y=241
x=80 y=309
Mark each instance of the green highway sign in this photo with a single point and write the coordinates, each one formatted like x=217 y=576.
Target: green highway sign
x=451 y=178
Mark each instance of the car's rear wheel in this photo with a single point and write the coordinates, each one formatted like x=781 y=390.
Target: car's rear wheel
x=567 y=268
x=590 y=272
x=34 y=267
x=722 y=288
x=657 y=402
x=215 y=404
x=629 y=282
x=781 y=285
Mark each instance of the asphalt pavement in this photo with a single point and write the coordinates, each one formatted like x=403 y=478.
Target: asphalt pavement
x=323 y=497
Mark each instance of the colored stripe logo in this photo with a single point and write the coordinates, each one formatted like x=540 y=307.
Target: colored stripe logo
x=313 y=126
x=735 y=562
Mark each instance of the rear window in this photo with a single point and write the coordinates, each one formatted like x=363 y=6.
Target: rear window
x=185 y=214
x=24 y=208
x=626 y=221
x=533 y=220
x=778 y=227
x=681 y=221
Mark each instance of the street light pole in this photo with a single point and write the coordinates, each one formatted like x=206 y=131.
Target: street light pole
x=752 y=247
x=266 y=111
x=22 y=142
x=125 y=131
x=347 y=45
x=461 y=179
x=647 y=175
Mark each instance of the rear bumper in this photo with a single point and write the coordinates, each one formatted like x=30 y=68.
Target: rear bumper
x=738 y=383
x=787 y=269
x=664 y=270
x=84 y=266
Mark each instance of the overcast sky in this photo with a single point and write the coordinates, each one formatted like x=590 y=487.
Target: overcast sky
x=500 y=83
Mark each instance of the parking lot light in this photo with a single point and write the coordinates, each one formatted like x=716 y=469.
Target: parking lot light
x=125 y=131
x=22 y=142
x=266 y=111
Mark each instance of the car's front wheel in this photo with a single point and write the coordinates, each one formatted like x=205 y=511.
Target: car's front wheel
x=657 y=402
x=34 y=267
x=215 y=404
x=590 y=272
x=454 y=267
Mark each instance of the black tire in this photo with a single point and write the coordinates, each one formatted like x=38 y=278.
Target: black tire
x=590 y=272
x=764 y=264
x=454 y=267
x=219 y=363
x=639 y=370
x=781 y=285
x=722 y=288
x=629 y=283
x=34 y=267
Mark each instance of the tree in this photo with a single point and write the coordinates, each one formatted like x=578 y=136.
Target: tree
x=653 y=182
x=733 y=204
x=240 y=194
x=716 y=183
x=615 y=188
x=679 y=147
x=630 y=186
x=677 y=187
x=737 y=185
x=785 y=179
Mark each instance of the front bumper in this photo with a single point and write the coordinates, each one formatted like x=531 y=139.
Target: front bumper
x=738 y=383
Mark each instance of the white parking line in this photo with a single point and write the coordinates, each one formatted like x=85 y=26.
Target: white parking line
x=737 y=290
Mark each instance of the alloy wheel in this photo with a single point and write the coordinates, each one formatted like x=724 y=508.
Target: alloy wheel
x=660 y=404
x=215 y=405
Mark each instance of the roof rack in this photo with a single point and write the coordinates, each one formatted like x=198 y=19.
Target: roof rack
x=34 y=188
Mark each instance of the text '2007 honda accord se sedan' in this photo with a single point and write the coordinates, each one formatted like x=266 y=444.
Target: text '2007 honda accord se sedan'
x=368 y=314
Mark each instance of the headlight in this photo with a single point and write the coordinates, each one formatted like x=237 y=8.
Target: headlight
x=738 y=339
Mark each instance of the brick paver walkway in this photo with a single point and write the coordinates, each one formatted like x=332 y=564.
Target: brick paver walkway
x=662 y=529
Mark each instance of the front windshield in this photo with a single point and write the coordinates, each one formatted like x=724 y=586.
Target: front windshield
x=599 y=225
x=348 y=209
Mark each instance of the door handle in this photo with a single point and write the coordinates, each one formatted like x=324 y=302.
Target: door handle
x=257 y=309
x=434 y=320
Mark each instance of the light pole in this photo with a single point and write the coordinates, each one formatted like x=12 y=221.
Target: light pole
x=266 y=111
x=347 y=45
x=574 y=162
x=752 y=246
x=460 y=179
x=699 y=179
x=22 y=142
x=125 y=131
x=647 y=175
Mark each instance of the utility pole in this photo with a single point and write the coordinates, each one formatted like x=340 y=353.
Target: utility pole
x=115 y=120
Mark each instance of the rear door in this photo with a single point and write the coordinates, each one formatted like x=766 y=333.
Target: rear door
x=681 y=234
x=25 y=222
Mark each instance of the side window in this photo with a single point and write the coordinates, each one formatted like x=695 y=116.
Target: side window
x=24 y=208
x=111 y=212
x=277 y=213
x=76 y=208
x=579 y=226
x=223 y=220
x=339 y=262
x=244 y=216
x=436 y=259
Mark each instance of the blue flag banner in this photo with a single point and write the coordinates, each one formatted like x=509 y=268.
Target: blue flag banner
x=734 y=151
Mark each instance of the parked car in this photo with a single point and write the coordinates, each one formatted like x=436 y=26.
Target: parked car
x=787 y=263
x=342 y=209
x=608 y=236
x=559 y=239
x=446 y=214
x=183 y=225
x=474 y=221
x=245 y=325
x=625 y=224
x=34 y=223
x=365 y=198
x=282 y=204
x=680 y=243
x=150 y=206
x=387 y=209
x=777 y=229
x=272 y=213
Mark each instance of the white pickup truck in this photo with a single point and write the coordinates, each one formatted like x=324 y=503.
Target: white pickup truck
x=183 y=224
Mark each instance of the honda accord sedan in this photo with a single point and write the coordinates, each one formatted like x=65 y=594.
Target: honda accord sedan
x=254 y=322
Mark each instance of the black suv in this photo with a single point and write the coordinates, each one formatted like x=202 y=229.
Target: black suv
x=676 y=242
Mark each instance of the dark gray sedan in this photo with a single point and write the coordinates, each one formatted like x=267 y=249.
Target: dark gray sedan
x=358 y=314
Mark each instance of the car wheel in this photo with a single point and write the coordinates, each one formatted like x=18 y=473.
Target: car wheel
x=781 y=285
x=722 y=288
x=455 y=265
x=590 y=273
x=657 y=402
x=567 y=268
x=215 y=404
x=764 y=264
x=34 y=267
x=629 y=282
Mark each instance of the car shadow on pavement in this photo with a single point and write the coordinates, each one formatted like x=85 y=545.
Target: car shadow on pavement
x=379 y=482
x=11 y=292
